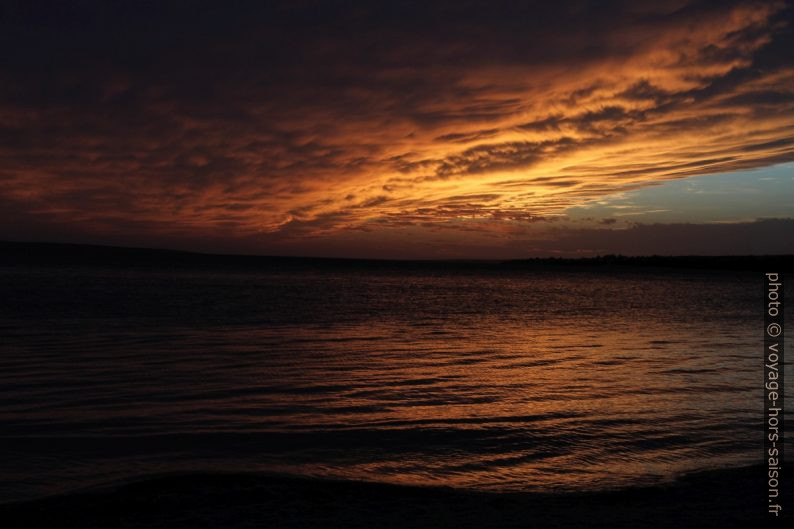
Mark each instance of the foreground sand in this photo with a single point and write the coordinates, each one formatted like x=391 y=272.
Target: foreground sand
x=719 y=499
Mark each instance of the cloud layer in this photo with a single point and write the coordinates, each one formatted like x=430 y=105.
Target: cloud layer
x=289 y=126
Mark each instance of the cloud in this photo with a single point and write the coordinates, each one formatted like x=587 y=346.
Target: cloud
x=297 y=121
x=742 y=238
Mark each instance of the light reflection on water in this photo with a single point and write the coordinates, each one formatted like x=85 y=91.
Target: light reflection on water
x=513 y=381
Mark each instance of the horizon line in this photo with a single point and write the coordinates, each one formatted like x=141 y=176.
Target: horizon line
x=613 y=256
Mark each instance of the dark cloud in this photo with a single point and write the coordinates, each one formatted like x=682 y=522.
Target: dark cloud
x=743 y=238
x=261 y=121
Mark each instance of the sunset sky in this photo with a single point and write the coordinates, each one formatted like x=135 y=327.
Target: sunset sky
x=410 y=130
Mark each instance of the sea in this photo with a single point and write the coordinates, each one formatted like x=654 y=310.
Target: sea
x=546 y=379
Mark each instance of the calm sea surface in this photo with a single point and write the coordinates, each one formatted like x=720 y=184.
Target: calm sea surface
x=490 y=380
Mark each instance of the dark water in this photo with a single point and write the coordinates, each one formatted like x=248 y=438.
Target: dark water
x=502 y=381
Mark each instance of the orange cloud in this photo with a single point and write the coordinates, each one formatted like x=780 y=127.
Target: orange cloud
x=279 y=128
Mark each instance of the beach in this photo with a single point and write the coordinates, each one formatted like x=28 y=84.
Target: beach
x=720 y=499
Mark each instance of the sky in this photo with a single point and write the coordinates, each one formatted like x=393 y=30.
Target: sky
x=426 y=130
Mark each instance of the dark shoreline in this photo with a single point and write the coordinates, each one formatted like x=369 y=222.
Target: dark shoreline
x=721 y=498
x=27 y=254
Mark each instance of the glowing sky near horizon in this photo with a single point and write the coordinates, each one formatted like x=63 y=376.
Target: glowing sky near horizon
x=435 y=129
